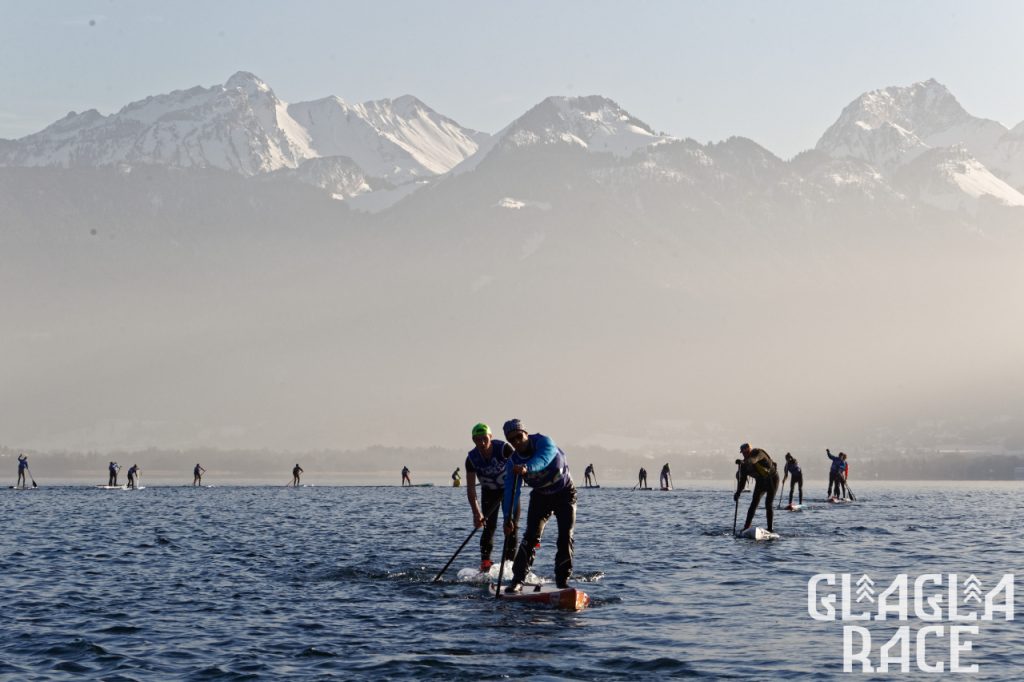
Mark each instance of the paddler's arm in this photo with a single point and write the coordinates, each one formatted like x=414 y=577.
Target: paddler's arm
x=478 y=517
x=544 y=453
x=741 y=481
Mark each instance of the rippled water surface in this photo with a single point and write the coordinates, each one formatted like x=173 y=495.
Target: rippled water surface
x=335 y=582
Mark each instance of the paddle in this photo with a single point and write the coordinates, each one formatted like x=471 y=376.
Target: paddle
x=504 y=545
x=852 y=496
x=30 y=476
x=735 y=516
x=736 y=512
x=782 y=486
x=466 y=541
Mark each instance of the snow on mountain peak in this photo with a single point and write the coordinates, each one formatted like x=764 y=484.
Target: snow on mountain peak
x=247 y=82
x=893 y=125
x=243 y=127
x=595 y=123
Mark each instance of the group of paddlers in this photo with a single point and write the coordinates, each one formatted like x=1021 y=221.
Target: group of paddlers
x=759 y=466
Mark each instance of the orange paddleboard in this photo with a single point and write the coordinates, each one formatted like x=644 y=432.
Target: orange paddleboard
x=568 y=598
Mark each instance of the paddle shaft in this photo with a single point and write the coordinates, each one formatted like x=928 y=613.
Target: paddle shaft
x=736 y=512
x=466 y=541
x=504 y=545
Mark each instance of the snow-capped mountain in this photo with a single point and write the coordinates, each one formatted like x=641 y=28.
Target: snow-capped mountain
x=593 y=123
x=399 y=139
x=892 y=127
x=951 y=178
x=243 y=127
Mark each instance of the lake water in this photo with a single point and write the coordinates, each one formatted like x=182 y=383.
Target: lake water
x=237 y=583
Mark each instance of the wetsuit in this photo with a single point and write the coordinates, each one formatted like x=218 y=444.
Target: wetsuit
x=405 y=476
x=22 y=465
x=643 y=478
x=588 y=473
x=665 y=474
x=796 y=477
x=490 y=471
x=759 y=466
x=295 y=475
x=835 y=474
x=112 y=479
x=131 y=476
x=547 y=472
x=197 y=475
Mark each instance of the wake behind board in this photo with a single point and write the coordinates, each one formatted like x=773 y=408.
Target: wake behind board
x=568 y=598
x=757 y=533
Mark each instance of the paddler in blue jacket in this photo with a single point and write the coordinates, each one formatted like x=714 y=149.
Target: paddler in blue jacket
x=835 y=474
x=757 y=464
x=542 y=465
x=487 y=462
x=22 y=466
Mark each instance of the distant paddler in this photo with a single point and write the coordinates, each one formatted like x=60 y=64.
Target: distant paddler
x=112 y=469
x=666 y=477
x=836 y=474
x=589 y=476
x=197 y=475
x=542 y=465
x=456 y=478
x=297 y=472
x=22 y=466
x=758 y=465
x=133 y=472
x=792 y=469
x=405 y=477
x=487 y=462
x=642 y=482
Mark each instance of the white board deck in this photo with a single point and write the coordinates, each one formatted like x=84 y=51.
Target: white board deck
x=758 y=533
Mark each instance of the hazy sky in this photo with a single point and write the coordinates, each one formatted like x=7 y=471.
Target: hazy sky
x=777 y=72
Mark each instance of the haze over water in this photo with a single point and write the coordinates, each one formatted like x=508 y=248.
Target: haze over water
x=335 y=582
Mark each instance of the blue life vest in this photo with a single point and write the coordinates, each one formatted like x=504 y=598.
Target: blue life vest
x=490 y=472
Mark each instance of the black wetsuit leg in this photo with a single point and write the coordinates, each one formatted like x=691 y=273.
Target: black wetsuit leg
x=769 y=505
x=799 y=481
x=563 y=505
x=489 y=499
x=763 y=487
x=760 y=488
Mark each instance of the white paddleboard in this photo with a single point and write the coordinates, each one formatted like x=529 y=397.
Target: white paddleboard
x=838 y=500
x=795 y=507
x=112 y=487
x=758 y=533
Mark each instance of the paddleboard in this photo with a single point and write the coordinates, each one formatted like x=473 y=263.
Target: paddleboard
x=758 y=533
x=549 y=595
x=794 y=507
x=591 y=486
x=838 y=500
x=18 y=487
x=113 y=487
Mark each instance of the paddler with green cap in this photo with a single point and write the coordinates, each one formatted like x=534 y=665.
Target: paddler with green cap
x=486 y=462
